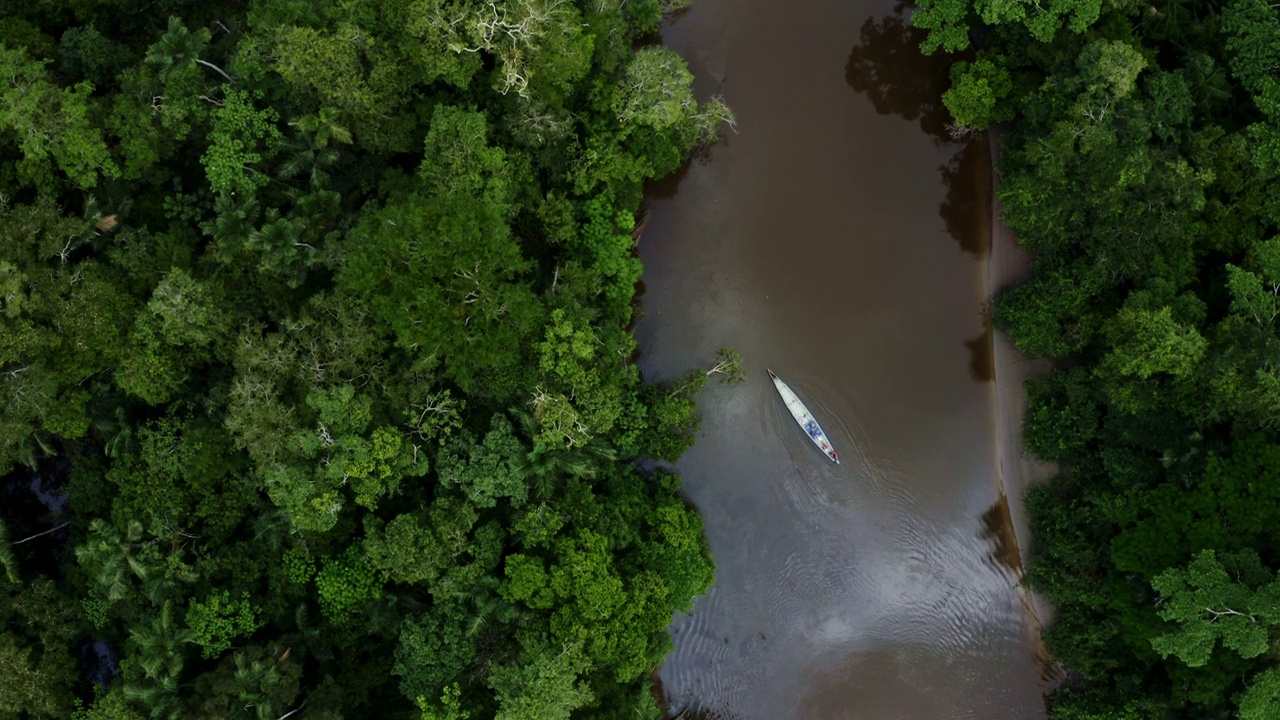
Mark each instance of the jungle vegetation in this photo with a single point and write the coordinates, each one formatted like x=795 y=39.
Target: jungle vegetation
x=315 y=323
x=1141 y=167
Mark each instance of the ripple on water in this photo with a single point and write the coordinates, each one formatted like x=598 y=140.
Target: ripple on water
x=814 y=482
x=699 y=674
x=877 y=475
x=820 y=583
x=952 y=598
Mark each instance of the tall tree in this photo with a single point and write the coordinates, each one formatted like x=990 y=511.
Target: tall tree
x=444 y=277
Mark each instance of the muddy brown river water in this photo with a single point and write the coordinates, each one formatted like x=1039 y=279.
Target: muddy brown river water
x=840 y=239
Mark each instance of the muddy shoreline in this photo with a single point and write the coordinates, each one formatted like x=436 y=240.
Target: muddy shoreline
x=1006 y=264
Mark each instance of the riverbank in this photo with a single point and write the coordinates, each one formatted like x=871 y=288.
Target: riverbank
x=1008 y=263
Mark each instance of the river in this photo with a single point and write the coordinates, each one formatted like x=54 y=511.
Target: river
x=839 y=238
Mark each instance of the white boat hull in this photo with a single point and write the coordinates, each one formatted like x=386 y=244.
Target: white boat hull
x=805 y=419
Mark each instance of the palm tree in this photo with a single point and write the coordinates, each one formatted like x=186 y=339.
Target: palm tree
x=253 y=678
x=324 y=126
x=279 y=244
x=179 y=48
x=263 y=686
x=271 y=528
x=36 y=445
x=160 y=697
x=1210 y=86
x=307 y=156
x=116 y=560
x=158 y=651
x=159 y=645
x=159 y=585
x=1173 y=17
x=544 y=468
x=116 y=432
x=111 y=558
x=487 y=605
x=233 y=225
x=309 y=637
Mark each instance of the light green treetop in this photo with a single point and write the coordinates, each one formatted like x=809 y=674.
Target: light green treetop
x=458 y=158
x=242 y=136
x=543 y=685
x=976 y=91
x=489 y=470
x=340 y=450
x=51 y=125
x=1262 y=696
x=1232 y=600
x=948 y=21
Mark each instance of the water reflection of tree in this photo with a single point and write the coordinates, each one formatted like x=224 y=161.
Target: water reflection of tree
x=666 y=187
x=997 y=526
x=966 y=210
x=887 y=66
x=982 y=362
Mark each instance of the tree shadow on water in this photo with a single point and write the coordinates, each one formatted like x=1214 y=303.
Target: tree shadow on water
x=665 y=188
x=966 y=210
x=997 y=527
x=981 y=349
x=887 y=66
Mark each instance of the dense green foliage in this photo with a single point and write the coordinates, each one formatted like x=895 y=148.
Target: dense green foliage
x=1141 y=169
x=328 y=305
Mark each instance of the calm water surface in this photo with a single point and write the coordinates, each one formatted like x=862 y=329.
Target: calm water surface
x=838 y=240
